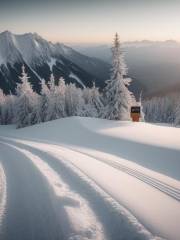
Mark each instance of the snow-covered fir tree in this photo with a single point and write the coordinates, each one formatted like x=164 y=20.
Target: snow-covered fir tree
x=35 y=115
x=93 y=102
x=8 y=114
x=55 y=99
x=118 y=98
x=51 y=110
x=44 y=101
x=60 y=92
x=24 y=102
x=74 y=102
x=141 y=106
x=177 y=113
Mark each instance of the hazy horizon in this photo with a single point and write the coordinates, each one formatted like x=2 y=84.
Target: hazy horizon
x=94 y=43
x=96 y=21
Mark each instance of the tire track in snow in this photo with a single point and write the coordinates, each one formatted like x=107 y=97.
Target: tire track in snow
x=82 y=218
x=3 y=194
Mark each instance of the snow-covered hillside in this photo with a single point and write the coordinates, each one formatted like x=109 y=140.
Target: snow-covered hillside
x=112 y=179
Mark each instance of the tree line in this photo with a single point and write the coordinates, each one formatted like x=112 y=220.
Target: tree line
x=164 y=109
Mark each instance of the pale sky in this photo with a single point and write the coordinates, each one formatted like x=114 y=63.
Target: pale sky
x=93 y=21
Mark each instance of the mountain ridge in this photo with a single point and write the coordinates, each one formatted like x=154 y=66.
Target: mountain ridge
x=42 y=58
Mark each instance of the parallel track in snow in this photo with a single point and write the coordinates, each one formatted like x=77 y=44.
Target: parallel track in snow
x=153 y=182
x=165 y=188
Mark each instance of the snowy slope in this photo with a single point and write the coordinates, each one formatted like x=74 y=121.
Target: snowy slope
x=131 y=164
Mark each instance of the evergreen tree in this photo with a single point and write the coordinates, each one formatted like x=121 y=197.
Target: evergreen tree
x=93 y=102
x=177 y=113
x=8 y=109
x=96 y=101
x=74 y=102
x=24 y=103
x=44 y=101
x=60 y=91
x=118 y=98
x=141 y=106
x=35 y=115
x=51 y=110
x=87 y=97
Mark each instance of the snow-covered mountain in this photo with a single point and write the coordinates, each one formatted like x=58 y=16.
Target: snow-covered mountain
x=41 y=58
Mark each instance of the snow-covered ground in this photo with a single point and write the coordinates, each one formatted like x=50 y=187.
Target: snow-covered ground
x=113 y=180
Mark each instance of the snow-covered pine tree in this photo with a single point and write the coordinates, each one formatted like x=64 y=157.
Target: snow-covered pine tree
x=177 y=114
x=44 y=101
x=97 y=101
x=8 y=114
x=74 y=102
x=24 y=103
x=51 y=110
x=141 y=106
x=93 y=102
x=35 y=115
x=118 y=98
x=87 y=97
x=60 y=91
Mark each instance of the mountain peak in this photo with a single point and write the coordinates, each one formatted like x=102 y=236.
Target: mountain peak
x=6 y=33
x=32 y=35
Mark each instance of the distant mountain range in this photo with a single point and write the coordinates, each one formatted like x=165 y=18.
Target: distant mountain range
x=42 y=58
x=154 y=65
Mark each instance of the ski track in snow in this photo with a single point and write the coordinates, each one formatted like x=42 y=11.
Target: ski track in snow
x=171 y=191
x=3 y=194
x=84 y=216
x=165 y=188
